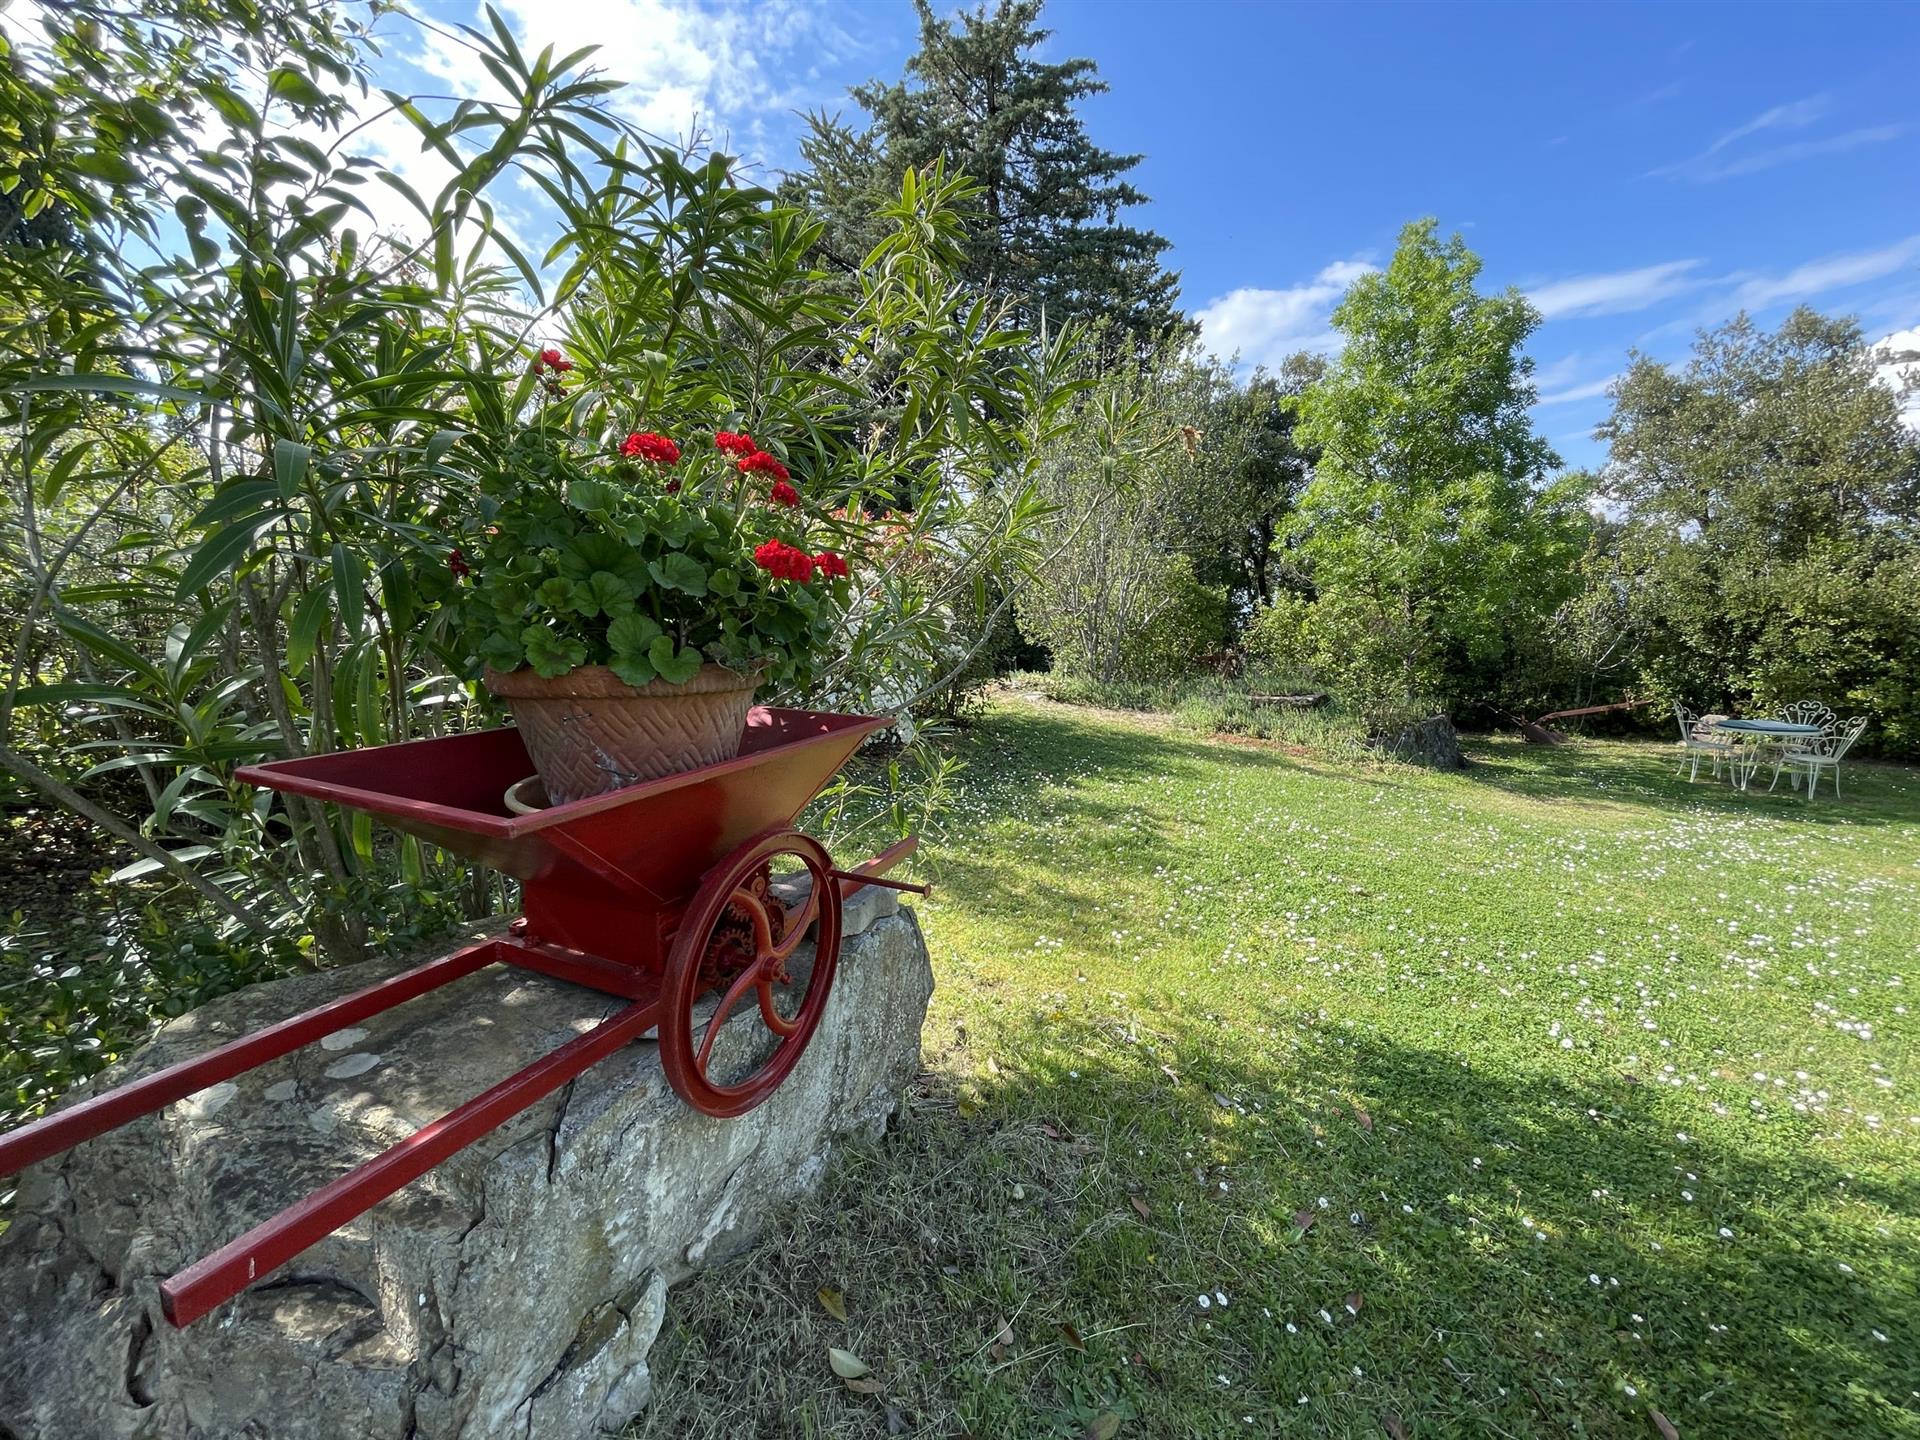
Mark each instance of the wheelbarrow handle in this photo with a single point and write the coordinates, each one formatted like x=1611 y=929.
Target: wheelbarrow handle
x=871 y=872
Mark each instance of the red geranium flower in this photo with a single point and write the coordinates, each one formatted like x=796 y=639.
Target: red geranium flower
x=784 y=494
x=648 y=446
x=831 y=564
x=551 y=359
x=457 y=563
x=741 y=444
x=761 y=462
x=783 y=561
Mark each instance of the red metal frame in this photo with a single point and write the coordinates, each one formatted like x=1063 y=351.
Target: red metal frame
x=608 y=883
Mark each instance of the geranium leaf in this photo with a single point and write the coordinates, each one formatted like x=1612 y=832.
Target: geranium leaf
x=610 y=592
x=678 y=570
x=551 y=654
x=631 y=635
x=675 y=665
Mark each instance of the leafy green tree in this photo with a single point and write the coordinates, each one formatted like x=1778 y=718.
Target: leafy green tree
x=1772 y=537
x=1049 y=228
x=1429 y=532
x=1115 y=596
x=1236 y=509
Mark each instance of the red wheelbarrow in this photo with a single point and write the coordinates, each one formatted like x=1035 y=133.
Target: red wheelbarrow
x=660 y=893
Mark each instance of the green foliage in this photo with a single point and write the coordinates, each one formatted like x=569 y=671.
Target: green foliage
x=242 y=419
x=1771 y=547
x=1281 y=637
x=1254 y=473
x=66 y=1015
x=1116 y=597
x=1188 y=621
x=1429 y=532
x=1044 y=226
x=585 y=558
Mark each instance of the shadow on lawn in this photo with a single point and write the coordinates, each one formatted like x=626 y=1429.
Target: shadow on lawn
x=1006 y=1198
x=1599 y=1169
x=1626 y=773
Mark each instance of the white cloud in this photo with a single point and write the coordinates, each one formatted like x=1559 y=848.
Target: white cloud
x=1804 y=150
x=1593 y=389
x=1613 y=292
x=1901 y=372
x=1795 y=116
x=1557 y=373
x=1713 y=164
x=684 y=67
x=1832 y=272
x=1263 y=327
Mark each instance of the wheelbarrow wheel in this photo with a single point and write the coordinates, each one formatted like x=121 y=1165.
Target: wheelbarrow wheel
x=739 y=936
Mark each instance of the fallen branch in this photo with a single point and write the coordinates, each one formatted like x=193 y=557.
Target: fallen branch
x=1593 y=710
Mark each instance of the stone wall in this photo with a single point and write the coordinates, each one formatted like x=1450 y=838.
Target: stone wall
x=513 y=1291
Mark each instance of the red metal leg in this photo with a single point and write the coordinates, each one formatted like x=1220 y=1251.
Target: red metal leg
x=265 y=1248
x=33 y=1143
x=868 y=872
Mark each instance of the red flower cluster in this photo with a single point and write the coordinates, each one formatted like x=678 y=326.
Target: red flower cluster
x=551 y=359
x=648 y=446
x=760 y=462
x=734 y=444
x=784 y=561
x=832 y=565
x=784 y=494
x=457 y=563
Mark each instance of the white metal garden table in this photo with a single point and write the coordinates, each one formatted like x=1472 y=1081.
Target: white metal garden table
x=1758 y=738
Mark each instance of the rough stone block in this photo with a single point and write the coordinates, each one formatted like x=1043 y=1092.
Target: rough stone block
x=513 y=1291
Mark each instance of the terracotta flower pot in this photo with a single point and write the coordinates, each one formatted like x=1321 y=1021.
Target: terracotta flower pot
x=589 y=732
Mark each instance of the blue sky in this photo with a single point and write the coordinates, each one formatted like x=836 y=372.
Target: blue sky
x=1638 y=170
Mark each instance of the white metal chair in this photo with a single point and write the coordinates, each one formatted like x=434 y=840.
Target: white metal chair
x=1815 y=756
x=1808 y=712
x=1699 y=737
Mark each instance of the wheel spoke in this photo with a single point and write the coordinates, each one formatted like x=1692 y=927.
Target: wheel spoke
x=793 y=928
x=748 y=977
x=775 y=1021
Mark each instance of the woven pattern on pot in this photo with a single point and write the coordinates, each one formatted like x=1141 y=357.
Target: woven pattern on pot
x=589 y=732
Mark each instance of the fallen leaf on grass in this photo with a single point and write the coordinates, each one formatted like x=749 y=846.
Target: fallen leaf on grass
x=1366 y=1120
x=833 y=1302
x=846 y=1364
x=1005 y=1337
x=1052 y=1134
x=1303 y=1220
x=1390 y=1423
x=864 y=1385
x=1074 y=1342
x=1103 y=1428
x=896 y=1422
x=1663 y=1425
x=1354 y=1302
x=1140 y=1207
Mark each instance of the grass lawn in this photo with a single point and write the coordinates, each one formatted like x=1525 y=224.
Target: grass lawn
x=1269 y=1095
